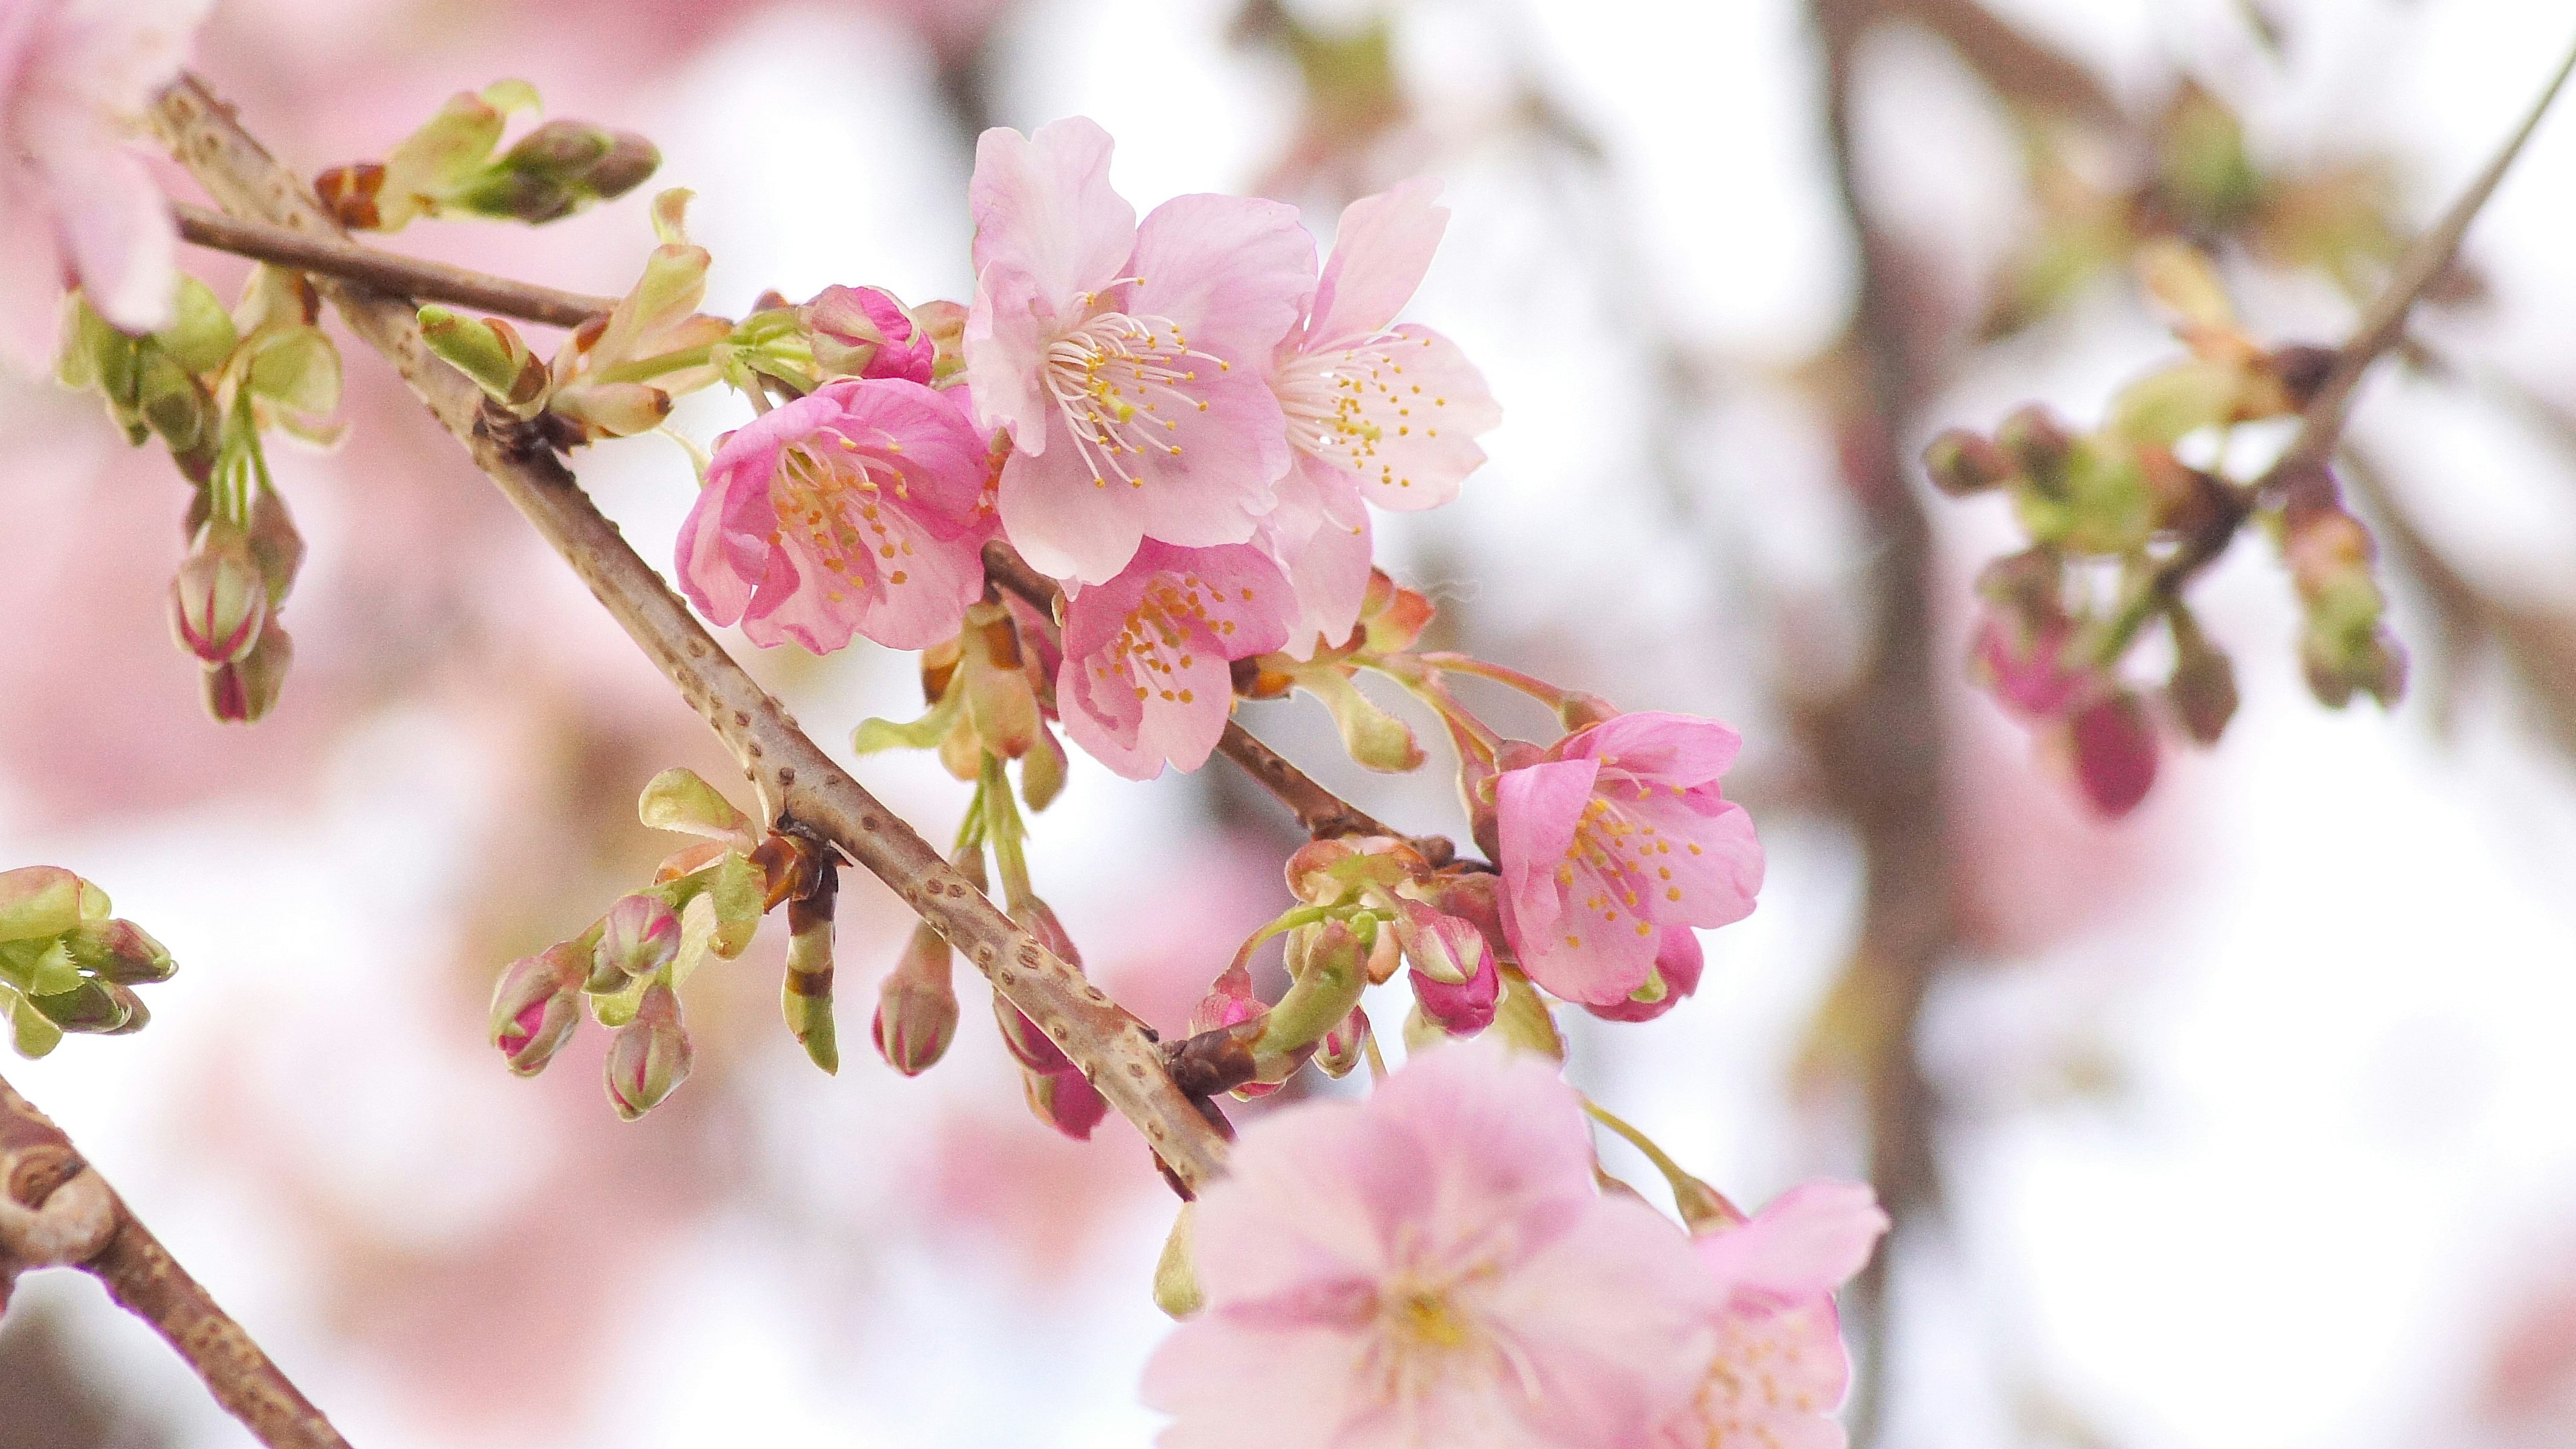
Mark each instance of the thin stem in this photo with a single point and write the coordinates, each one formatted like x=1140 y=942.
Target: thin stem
x=2425 y=262
x=1450 y=662
x=324 y=254
x=57 y=1211
x=798 y=783
x=1672 y=1171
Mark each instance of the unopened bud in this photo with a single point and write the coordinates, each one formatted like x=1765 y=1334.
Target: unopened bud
x=121 y=952
x=2036 y=445
x=535 y=1006
x=1449 y=951
x=1345 y=1046
x=2202 y=689
x=1462 y=1008
x=1392 y=617
x=1962 y=464
x=1043 y=770
x=556 y=170
x=649 y=1057
x=244 y=691
x=806 y=997
x=864 y=332
x=917 y=1005
x=639 y=936
x=1066 y=1101
x=38 y=902
x=94 y=1008
x=276 y=545
x=1579 y=711
x=493 y=354
x=218 y=600
x=2114 y=743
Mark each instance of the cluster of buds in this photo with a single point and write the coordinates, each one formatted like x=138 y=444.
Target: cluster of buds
x=2112 y=515
x=617 y=375
x=66 y=963
x=2193 y=178
x=1367 y=908
x=706 y=900
x=448 y=167
x=991 y=696
x=209 y=386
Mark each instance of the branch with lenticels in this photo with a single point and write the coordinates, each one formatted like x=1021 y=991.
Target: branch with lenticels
x=798 y=783
x=57 y=1212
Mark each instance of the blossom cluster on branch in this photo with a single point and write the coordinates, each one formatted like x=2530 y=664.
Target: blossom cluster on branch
x=1125 y=487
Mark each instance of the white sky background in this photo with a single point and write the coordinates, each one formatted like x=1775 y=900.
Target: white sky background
x=2342 y=1012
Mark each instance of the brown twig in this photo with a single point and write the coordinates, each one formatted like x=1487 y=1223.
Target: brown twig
x=385 y=272
x=2015 y=67
x=797 y=782
x=2379 y=331
x=1881 y=746
x=1320 y=813
x=57 y=1212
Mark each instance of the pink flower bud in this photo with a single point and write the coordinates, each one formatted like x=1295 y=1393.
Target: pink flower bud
x=120 y=952
x=217 y=603
x=1230 y=1002
x=863 y=332
x=244 y=691
x=917 y=1006
x=1465 y=1006
x=649 y=1057
x=2025 y=665
x=1065 y=1101
x=1445 y=948
x=2115 y=753
x=535 y=1006
x=1961 y=463
x=1030 y=1047
x=1345 y=1046
x=639 y=936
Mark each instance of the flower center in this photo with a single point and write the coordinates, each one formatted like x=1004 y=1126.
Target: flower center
x=1342 y=403
x=1625 y=856
x=1119 y=380
x=832 y=502
x=1157 y=639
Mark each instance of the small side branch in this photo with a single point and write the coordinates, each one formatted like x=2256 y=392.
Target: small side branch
x=426 y=281
x=57 y=1212
x=798 y=783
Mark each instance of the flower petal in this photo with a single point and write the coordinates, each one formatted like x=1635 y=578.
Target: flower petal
x=1380 y=252
x=1233 y=272
x=1043 y=208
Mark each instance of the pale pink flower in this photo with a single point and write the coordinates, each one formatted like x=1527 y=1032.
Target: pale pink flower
x=76 y=203
x=1375 y=411
x=1125 y=362
x=1780 y=1369
x=1431 y=1267
x=855 y=508
x=1615 y=838
x=1145 y=680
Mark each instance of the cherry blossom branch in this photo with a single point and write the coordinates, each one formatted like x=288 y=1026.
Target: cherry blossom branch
x=57 y=1212
x=1320 y=813
x=2322 y=422
x=412 y=277
x=798 y=783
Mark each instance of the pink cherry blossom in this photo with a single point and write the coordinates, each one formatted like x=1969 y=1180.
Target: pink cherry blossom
x=76 y=203
x=1780 y=1369
x=1614 y=839
x=855 y=508
x=1385 y=413
x=1125 y=361
x=1679 y=961
x=868 y=327
x=1144 y=680
x=1431 y=1267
